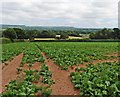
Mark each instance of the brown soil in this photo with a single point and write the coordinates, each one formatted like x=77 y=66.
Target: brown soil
x=94 y=63
x=108 y=60
x=115 y=54
x=35 y=66
x=5 y=64
x=72 y=69
x=9 y=71
x=63 y=85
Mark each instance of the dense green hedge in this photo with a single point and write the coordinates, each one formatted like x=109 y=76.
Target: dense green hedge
x=6 y=40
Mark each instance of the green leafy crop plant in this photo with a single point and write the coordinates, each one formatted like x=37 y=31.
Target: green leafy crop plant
x=101 y=80
x=15 y=89
x=31 y=55
x=27 y=86
x=12 y=49
x=66 y=54
x=46 y=75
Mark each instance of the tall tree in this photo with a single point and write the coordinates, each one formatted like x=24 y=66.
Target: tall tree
x=20 y=33
x=63 y=36
x=10 y=33
x=116 y=33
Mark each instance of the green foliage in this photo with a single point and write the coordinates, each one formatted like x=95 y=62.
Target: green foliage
x=31 y=75
x=5 y=40
x=46 y=34
x=31 y=54
x=31 y=33
x=46 y=92
x=12 y=49
x=101 y=80
x=10 y=33
x=15 y=89
x=70 y=53
x=41 y=59
x=47 y=75
x=19 y=70
x=116 y=33
x=27 y=88
x=20 y=33
x=106 y=34
x=63 y=36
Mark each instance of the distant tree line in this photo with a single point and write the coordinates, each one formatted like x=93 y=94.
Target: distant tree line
x=106 y=34
x=17 y=33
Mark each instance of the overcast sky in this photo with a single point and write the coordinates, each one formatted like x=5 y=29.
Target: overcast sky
x=77 y=13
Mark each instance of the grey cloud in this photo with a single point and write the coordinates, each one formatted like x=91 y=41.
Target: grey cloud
x=66 y=12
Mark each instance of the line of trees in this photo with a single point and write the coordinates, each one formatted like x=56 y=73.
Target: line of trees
x=17 y=33
x=106 y=34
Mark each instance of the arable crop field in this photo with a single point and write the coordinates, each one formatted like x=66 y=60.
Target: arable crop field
x=87 y=69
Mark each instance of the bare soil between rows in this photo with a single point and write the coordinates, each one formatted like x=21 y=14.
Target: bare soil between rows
x=62 y=86
x=9 y=71
x=94 y=62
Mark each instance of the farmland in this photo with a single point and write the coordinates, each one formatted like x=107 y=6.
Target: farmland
x=69 y=54
x=61 y=68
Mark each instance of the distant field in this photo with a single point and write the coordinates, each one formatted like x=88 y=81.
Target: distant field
x=73 y=37
x=44 y=39
x=70 y=37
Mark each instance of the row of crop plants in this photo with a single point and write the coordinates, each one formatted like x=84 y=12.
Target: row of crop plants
x=11 y=50
x=102 y=80
x=30 y=82
x=28 y=87
x=31 y=54
x=69 y=53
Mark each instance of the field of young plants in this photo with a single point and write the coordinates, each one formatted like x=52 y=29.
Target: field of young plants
x=91 y=69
